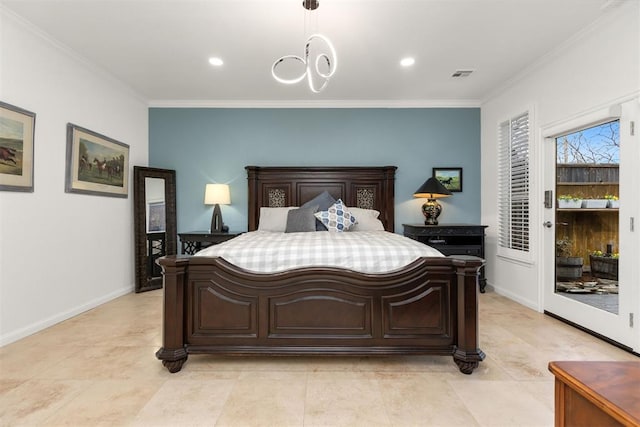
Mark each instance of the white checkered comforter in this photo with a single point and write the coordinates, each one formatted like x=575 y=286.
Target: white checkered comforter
x=363 y=251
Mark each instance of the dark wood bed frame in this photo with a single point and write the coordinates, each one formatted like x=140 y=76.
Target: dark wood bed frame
x=213 y=307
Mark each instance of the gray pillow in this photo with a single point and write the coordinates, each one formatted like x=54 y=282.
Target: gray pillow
x=301 y=220
x=322 y=201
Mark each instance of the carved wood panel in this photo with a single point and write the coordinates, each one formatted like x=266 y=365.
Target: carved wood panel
x=366 y=197
x=220 y=313
x=327 y=314
x=276 y=195
x=423 y=312
x=307 y=191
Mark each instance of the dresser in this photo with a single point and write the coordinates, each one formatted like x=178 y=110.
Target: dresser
x=596 y=393
x=192 y=241
x=451 y=239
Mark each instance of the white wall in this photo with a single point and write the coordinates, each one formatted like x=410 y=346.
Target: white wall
x=60 y=253
x=597 y=68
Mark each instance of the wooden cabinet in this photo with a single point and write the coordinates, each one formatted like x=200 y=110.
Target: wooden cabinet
x=451 y=239
x=596 y=393
x=193 y=241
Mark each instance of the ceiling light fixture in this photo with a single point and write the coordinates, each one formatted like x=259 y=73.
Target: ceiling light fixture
x=215 y=61
x=407 y=62
x=328 y=61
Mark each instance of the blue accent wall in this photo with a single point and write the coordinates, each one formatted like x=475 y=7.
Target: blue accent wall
x=215 y=144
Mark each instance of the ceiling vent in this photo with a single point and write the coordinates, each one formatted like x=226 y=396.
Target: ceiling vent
x=462 y=73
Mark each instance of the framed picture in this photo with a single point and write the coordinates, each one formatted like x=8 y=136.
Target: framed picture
x=17 y=127
x=155 y=217
x=96 y=164
x=451 y=178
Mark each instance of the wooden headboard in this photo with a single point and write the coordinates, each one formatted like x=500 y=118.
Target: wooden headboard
x=363 y=187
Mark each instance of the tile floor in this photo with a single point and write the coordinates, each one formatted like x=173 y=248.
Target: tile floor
x=99 y=369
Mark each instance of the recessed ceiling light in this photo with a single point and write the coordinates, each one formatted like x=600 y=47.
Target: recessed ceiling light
x=215 y=61
x=407 y=62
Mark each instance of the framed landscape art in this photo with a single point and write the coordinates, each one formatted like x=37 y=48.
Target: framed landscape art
x=96 y=164
x=451 y=178
x=17 y=129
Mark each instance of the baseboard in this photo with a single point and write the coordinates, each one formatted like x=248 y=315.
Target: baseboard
x=592 y=333
x=45 y=323
x=517 y=298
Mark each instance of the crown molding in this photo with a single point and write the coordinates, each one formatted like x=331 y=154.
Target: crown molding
x=337 y=103
x=611 y=9
x=70 y=53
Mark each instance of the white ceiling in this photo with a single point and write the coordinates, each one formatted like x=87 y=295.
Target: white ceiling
x=160 y=48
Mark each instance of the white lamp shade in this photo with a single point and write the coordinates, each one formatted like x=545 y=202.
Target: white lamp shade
x=217 y=194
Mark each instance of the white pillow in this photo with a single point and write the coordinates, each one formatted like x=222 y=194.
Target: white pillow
x=274 y=219
x=358 y=212
x=367 y=220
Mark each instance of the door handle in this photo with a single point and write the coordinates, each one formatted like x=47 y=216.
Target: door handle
x=548 y=224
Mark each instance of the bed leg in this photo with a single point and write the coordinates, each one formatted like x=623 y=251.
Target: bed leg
x=466 y=367
x=173 y=352
x=172 y=360
x=467 y=353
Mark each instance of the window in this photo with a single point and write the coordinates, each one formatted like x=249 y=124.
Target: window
x=592 y=145
x=513 y=187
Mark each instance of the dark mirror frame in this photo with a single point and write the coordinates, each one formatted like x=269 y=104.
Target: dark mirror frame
x=144 y=280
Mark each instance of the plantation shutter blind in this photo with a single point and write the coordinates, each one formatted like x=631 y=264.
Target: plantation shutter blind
x=513 y=185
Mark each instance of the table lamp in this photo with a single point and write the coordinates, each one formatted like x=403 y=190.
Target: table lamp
x=432 y=189
x=217 y=194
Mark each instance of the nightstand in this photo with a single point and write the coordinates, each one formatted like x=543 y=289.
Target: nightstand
x=451 y=239
x=193 y=241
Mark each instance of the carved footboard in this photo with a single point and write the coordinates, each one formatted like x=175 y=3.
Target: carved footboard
x=211 y=306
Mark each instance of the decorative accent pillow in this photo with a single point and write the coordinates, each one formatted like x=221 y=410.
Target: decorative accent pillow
x=323 y=201
x=367 y=220
x=301 y=220
x=337 y=217
x=274 y=219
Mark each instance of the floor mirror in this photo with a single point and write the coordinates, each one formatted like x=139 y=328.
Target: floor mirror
x=154 y=194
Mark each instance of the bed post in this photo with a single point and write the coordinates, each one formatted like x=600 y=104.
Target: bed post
x=467 y=353
x=389 y=200
x=253 y=194
x=173 y=353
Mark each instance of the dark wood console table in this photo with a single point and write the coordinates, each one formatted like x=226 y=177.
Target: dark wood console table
x=596 y=393
x=451 y=239
x=192 y=241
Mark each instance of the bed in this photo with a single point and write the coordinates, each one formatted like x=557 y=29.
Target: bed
x=211 y=306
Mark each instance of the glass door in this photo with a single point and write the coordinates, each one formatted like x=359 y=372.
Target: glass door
x=587 y=223
x=582 y=277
